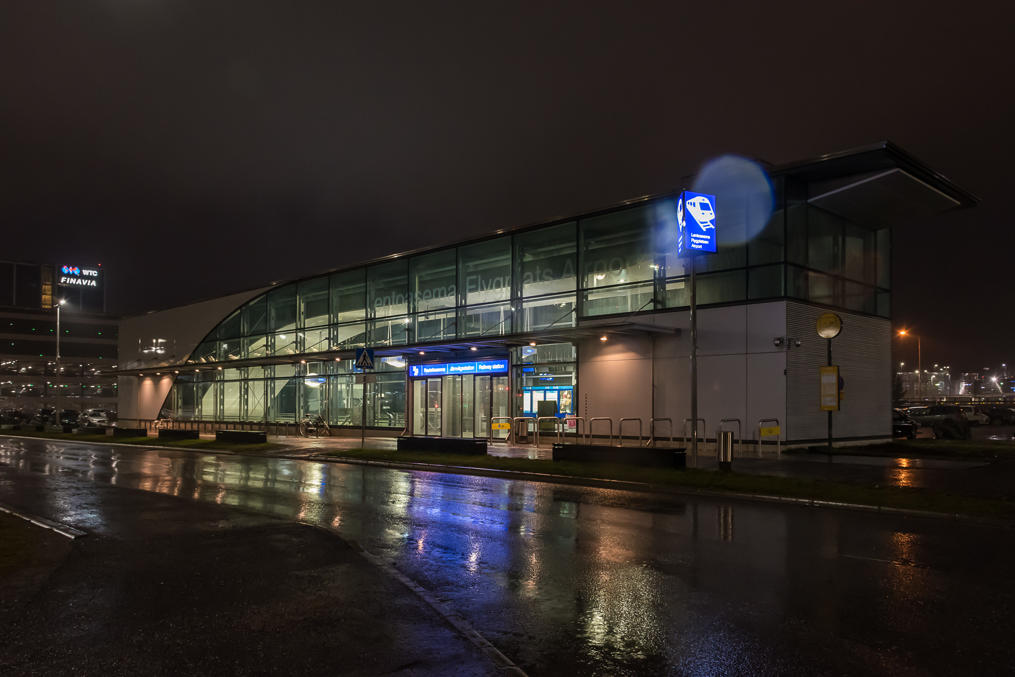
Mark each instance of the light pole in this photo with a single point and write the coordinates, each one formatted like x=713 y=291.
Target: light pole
x=919 y=363
x=59 y=304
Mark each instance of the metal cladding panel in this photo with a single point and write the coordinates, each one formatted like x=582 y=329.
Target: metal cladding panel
x=863 y=353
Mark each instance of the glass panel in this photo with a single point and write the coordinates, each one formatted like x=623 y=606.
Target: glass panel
x=721 y=287
x=436 y=325
x=768 y=245
x=419 y=407
x=546 y=353
x=205 y=352
x=282 y=308
x=282 y=400
x=348 y=295
x=546 y=260
x=468 y=407
x=451 y=403
x=230 y=350
x=433 y=406
x=677 y=293
x=859 y=297
x=627 y=298
x=347 y=335
x=432 y=281
x=209 y=401
x=501 y=402
x=316 y=340
x=858 y=254
x=617 y=248
x=255 y=346
x=232 y=326
x=255 y=316
x=824 y=239
x=255 y=400
x=346 y=403
x=884 y=259
x=186 y=401
x=387 y=286
x=313 y=302
x=482 y=406
x=811 y=286
x=548 y=311
x=484 y=271
x=314 y=397
x=489 y=320
x=387 y=398
x=231 y=400
x=388 y=332
x=284 y=344
x=765 y=282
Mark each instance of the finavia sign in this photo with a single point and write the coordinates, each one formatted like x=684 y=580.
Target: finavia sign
x=75 y=276
x=696 y=223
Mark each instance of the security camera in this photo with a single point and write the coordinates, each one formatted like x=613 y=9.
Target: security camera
x=778 y=341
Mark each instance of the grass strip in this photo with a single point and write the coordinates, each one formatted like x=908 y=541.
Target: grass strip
x=708 y=480
x=956 y=449
x=101 y=438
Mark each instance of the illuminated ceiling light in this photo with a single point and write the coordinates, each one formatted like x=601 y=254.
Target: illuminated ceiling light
x=177 y=371
x=220 y=368
x=473 y=348
x=422 y=353
x=603 y=338
x=532 y=343
x=303 y=361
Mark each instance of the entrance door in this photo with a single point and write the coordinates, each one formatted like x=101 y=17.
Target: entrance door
x=452 y=406
x=433 y=406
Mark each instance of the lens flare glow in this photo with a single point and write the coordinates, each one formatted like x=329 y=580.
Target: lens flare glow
x=744 y=196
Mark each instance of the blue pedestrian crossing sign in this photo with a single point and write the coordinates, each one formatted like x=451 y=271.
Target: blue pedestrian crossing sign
x=696 y=223
x=364 y=358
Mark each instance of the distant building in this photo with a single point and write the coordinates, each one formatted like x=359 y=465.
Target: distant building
x=29 y=379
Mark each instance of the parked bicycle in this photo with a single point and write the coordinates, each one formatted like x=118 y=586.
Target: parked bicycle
x=314 y=426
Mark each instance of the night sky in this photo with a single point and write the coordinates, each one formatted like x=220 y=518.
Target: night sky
x=198 y=148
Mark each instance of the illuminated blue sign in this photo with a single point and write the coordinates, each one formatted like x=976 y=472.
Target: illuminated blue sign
x=695 y=223
x=449 y=368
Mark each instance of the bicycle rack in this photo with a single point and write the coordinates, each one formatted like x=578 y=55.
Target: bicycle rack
x=489 y=433
x=578 y=432
x=686 y=436
x=778 y=438
x=651 y=441
x=556 y=426
x=740 y=432
x=620 y=430
x=592 y=422
x=514 y=426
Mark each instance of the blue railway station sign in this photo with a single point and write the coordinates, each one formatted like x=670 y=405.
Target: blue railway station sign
x=696 y=223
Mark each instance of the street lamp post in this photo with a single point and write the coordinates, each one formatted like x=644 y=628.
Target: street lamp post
x=919 y=363
x=59 y=305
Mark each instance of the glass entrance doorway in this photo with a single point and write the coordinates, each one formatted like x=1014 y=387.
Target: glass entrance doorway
x=458 y=405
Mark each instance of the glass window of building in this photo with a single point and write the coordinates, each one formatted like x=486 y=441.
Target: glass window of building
x=282 y=308
x=348 y=295
x=255 y=316
x=232 y=326
x=485 y=271
x=546 y=260
x=387 y=289
x=617 y=247
x=313 y=302
x=432 y=279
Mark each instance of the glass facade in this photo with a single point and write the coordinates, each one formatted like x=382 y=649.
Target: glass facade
x=617 y=262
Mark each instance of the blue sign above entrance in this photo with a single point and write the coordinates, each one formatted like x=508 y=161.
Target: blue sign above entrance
x=696 y=223
x=449 y=368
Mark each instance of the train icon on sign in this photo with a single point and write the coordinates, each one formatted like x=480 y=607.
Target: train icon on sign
x=700 y=209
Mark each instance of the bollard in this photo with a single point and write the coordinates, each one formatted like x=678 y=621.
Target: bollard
x=724 y=448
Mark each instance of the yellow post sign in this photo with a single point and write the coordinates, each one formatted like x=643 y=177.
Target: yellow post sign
x=829 y=388
x=770 y=431
x=500 y=425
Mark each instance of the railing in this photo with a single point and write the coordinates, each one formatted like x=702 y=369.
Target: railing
x=686 y=436
x=577 y=433
x=507 y=438
x=556 y=426
x=514 y=426
x=651 y=441
x=592 y=422
x=778 y=437
x=620 y=430
x=740 y=432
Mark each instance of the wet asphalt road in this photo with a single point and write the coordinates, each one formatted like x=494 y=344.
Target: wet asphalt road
x=570 y=580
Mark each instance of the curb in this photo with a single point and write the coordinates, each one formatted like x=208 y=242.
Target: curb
x=658 y=489
x=62 y=529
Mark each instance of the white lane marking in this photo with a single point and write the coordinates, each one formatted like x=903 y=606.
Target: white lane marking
x=62 y=529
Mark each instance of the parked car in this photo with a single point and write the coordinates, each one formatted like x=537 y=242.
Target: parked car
x=94 y=418
x=974 y=416
x=69 y=417
x=998 y=415
x=10 y=416
x=44 y=416
x=903 y=425
x=946 y=420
